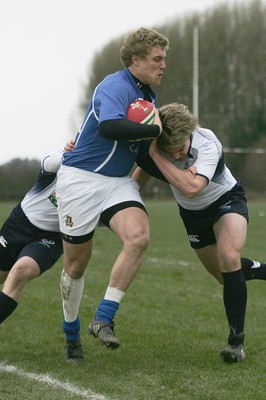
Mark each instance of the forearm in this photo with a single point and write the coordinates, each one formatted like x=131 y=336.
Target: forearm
x=123 y=129
x=184 y=181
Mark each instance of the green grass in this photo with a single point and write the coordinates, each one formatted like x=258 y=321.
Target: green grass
x=171 y=324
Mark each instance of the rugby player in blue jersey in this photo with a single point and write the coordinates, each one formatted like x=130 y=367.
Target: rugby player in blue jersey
x=94 y=184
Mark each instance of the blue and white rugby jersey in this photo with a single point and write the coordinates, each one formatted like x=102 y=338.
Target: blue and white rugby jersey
x=94 y=153
x=39 y=204
x=206 y=154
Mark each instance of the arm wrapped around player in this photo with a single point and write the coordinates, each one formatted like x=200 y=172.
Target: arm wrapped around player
x=123 y=129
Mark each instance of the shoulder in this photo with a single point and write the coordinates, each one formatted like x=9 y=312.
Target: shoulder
x=205 y=134
x=205 y=137
x=116 y=84
x=51 y=161
x=113 y=95
x=117 y=78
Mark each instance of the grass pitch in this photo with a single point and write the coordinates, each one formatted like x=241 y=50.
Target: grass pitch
x=171 y=324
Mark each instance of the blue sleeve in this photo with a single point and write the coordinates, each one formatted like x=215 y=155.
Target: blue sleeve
x=111 y=100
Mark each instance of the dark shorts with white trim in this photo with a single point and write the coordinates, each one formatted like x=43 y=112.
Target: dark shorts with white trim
x=199 y=223
x=19 y=238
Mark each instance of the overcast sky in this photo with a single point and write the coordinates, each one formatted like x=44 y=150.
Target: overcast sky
x=46 y=47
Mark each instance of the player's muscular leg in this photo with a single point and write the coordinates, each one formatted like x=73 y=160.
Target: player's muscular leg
x=208 y=257
x=24 y=270
x=230 y=232
x=76 y=258
x=131 y=225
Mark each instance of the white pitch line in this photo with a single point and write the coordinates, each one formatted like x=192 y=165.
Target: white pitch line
x=45 y=378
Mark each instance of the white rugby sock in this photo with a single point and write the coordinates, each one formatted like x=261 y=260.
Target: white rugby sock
x=71 y=292
x=114 y=294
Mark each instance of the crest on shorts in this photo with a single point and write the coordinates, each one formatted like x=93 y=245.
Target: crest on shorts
x=52 y=198
x=69 y=221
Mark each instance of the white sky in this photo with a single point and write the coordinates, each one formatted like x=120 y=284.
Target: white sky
x=46 y=47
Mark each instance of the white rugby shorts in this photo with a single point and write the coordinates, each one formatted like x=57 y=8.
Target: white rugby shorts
x=83 y=195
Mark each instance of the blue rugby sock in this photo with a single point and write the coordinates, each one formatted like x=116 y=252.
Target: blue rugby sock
x=106 y=311
x=72 y=329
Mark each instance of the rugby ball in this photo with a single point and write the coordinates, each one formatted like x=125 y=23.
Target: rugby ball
x=141 y=111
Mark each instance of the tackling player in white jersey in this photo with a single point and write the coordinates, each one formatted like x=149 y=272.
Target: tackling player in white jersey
x=212 y=205
x=30 y=239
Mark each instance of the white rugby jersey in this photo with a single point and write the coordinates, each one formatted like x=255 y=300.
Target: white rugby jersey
x=39 y=204
x=206 y=154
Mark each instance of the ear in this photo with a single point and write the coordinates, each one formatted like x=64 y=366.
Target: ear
x=135 y=60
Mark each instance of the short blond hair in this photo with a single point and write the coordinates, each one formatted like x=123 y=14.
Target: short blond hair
x=140 y=43
x=178 y=123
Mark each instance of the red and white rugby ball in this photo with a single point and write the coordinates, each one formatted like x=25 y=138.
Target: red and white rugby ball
x=141 y=111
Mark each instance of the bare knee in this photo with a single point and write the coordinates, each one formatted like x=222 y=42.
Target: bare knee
x=22 y=271
x=76 y=258
x=229 y=261
x=75 y=264
x=75 y=269
x=19 y=275
x=137 y=240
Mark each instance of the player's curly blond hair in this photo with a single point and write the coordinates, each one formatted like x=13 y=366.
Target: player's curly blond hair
x=140 y=43
x=177 y=123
